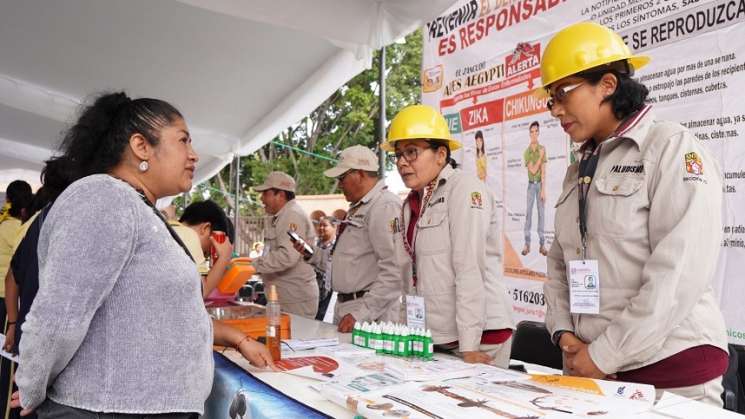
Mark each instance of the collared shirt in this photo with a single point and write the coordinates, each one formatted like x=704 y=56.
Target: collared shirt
x=458 y=261
x=281 y=264
x=365 y=255
x=324 y=261
x=654 y=225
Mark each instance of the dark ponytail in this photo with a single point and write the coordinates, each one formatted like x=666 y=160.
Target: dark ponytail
x=630 y=95
x=19 y=194
x=96 y=142
x=434 y=145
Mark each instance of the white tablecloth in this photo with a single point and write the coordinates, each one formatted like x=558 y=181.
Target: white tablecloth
x=669 y=406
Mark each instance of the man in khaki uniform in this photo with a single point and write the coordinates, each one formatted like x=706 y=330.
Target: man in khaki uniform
x=365 y=270
x=281 y=265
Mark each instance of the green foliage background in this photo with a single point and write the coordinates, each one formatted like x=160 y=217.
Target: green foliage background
x=348 y=117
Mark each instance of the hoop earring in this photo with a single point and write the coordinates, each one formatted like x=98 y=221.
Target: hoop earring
x=144 y=165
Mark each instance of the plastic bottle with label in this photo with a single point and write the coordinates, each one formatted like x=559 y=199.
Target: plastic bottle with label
x=378 y=339
x=356 y=334
x=273 y=323
x=429 y=347
x=405 y=342
x=365 y=334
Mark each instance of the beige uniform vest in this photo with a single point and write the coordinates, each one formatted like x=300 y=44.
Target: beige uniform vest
x=654 y=225
x=458 y=261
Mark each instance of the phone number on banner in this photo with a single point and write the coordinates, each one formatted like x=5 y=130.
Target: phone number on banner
x=530 y=297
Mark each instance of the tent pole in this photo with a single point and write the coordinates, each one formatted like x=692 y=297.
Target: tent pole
x=236 y=213
x=382 y=116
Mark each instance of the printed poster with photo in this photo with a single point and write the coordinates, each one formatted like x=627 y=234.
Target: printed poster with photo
x=480 y=68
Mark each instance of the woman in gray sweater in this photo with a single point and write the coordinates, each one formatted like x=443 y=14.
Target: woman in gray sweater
x=118 y=325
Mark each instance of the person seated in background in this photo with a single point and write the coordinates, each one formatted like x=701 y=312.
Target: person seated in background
x=315 y=218
x=18 y=198
x=203 y=219
x=324 y=243
x=117 y=287
x=256 y=250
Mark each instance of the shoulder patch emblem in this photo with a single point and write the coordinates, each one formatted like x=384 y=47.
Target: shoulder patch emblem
x=293 y=227
x=394 y=226
x=476 y=201
x=693 y=164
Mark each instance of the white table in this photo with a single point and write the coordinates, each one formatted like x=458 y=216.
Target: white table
x=670 y=406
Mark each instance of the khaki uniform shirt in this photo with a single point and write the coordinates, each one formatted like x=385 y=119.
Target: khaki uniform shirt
x=458 y=261
x=365 y=258
x=654 y=225
x=281 y=264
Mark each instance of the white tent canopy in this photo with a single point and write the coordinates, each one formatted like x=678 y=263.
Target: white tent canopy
x=239 y=71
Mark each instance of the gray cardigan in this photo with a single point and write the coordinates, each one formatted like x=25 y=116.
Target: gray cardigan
x=118 y=324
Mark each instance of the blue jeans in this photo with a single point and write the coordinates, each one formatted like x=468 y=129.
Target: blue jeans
x=534 y=196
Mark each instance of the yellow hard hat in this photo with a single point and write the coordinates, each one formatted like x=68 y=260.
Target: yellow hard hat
x=582 y=46
x=419 y=122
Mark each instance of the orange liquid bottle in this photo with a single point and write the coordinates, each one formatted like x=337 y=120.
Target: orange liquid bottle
x=272 y=324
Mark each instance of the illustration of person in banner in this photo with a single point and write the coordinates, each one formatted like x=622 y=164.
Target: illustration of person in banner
x=480 y=156
x=535 y=161
x=646 y=197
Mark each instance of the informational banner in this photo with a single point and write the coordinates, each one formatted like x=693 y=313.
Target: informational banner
x=238 y=394
x=481 y=69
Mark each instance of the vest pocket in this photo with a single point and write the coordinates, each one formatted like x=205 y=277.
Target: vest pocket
x=617 y=200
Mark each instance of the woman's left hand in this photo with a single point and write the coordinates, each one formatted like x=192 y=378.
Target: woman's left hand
x=581 y=364
x=257 y=354
x=15 y=402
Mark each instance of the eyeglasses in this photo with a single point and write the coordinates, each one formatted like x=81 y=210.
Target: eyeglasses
x=560 y=94
x=409 y=154
x=341 y=177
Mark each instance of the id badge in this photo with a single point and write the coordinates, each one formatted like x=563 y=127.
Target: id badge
x=584 y=286
x=415 y=312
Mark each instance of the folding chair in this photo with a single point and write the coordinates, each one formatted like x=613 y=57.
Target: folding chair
x=532 y=343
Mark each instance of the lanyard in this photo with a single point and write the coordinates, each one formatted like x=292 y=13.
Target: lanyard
x=587 y=167
x=410 y=247
x=170 y=229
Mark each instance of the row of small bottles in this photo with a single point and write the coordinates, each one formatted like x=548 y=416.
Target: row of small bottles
x=393 y=339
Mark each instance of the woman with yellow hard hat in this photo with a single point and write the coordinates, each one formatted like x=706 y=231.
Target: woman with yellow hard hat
x=638 y=228
x=448 y=227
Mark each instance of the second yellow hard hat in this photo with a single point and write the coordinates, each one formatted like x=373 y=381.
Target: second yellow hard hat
x=582 y=46
x=419 y=122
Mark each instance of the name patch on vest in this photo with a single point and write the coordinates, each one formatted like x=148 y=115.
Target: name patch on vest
x=620 y=168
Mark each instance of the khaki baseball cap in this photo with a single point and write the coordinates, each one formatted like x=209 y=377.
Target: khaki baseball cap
x=355 y=157
x=277 y=180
